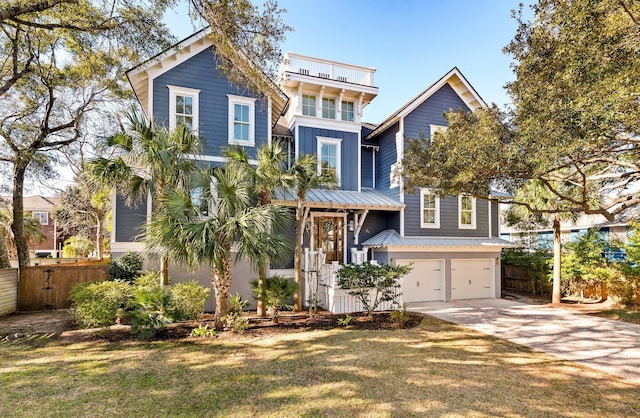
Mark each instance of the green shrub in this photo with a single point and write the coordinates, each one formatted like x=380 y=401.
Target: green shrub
x=75 y=247
x=236 y=304
x=345 y=321
x=96 y=304
x=536 y=262
x=126 y=267
x=188 y=300
x=235 y=322
x=203 y=331
x=623 y=284
x=277 y=290
x=152 y=311
x=149 y=279
x=400 y=316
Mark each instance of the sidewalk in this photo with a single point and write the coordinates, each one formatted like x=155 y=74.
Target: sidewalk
x=603 y=344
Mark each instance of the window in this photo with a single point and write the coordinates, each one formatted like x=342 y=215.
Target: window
x=347 y=111
x=429 y=209
x=466 y=212
x=329 y=157
x=328 y=108
x=241 y=120
x=42 y=217
x=183 y=107
x=433 y=129
x=308 y=105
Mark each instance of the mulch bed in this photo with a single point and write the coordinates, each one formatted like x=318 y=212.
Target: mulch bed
x=261 y=327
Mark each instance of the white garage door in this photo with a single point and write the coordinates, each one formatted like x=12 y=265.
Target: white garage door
x=472 y=279
x=425 y=282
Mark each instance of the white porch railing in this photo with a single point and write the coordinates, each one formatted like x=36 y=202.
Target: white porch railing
x=323 y=277
x=328 y=69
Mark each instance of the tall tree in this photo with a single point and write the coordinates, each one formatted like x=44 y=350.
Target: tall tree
x=267 y=176
x=62 y=60
x=573 y=128
x=81 y=209
x=146 y=160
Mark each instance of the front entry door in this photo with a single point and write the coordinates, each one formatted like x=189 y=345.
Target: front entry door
x=329 y=237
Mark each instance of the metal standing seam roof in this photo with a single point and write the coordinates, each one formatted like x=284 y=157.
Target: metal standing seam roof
x=342 y=199
x=391 y=238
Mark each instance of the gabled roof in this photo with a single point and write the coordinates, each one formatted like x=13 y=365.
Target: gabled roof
x=391 y=238
x=141 y=76
x=458 y=83
x=342 y=199
x=33 y=203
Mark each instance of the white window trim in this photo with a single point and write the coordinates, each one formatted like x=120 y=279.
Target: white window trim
x=248 y=101
x=313 y=108
x=330 y=141
x=46 y=215
x=436 y=128
x=184 y=91
x=343 y=112
x=335 y=108
x=424 y=224
x=473 y=213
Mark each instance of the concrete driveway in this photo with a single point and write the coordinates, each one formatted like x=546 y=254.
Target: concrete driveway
x=603 y=344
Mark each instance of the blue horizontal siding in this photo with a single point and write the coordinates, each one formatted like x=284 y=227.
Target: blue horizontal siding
x=366 y=174
x=129 y=219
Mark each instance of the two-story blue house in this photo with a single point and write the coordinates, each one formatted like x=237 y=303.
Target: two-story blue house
x=316 y=106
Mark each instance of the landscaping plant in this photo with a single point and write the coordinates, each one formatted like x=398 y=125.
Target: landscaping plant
x=277 y=290
x=75 y=247
x=126 y=267
x=96 y=304
x=188 y=299
x=400 y=316
x=153 y=310
x=372 y=284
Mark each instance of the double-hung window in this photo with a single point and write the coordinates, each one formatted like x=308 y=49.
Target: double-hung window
x=466 y=212
x=183 y=107
x=329 y=157
x=328 y=108
x=42 y=217
x=308 y=105
x=241 y=120
x=429 y=209
x=347 y=111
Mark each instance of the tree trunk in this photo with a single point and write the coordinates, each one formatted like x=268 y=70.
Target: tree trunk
x=17 y=226
x=262 y=275
x=99 y=235
x=164 y=270
x=297 y=260
x=4 y=255
x=557 y=261
x=221 y=284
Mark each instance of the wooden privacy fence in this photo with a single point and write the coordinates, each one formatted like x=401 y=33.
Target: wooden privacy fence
x=8 y=291
x=517 y=278
x=48 y=287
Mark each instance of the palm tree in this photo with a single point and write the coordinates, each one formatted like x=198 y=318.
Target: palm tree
x=148 y=159
x=233 y=229
x=540 y=202
x=306 y=177
x=266 y=177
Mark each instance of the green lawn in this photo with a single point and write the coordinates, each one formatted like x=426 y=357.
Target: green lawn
x=622 y=314
x=436 y=369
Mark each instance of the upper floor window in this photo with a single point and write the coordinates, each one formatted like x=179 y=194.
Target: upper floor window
x=42 y=217
x=433 y=129
x=241 y=120
x=328 y=108
x=347 y=111
x=183 y=107
x=429 y=209
x=329 y=157
x=466 y=212
x=308 y=105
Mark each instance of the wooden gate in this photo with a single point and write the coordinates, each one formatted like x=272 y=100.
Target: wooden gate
x=48 y=287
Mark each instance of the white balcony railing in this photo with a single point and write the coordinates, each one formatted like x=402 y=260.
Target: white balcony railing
x=328 y=69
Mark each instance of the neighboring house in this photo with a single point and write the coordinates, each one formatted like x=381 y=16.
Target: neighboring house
x=317 y=109
x=40 y=207
x=542 y=238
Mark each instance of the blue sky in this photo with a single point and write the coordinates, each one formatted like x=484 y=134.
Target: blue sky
x=411 y=43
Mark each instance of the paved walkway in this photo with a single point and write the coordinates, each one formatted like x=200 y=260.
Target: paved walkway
x=603 y=344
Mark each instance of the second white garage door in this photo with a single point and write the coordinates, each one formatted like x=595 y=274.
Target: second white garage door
x=472 y=279
x=425 y=282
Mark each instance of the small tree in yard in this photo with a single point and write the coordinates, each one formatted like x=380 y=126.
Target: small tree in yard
x=372 y=284
x=274 y=293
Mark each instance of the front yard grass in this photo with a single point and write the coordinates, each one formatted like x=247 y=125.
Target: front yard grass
x=628 y=314
x=435 y=369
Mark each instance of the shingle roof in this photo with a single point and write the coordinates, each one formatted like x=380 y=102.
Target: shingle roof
x=342 y=199
x=391 y=238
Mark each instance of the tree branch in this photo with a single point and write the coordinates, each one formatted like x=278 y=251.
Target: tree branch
x=12 y=12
